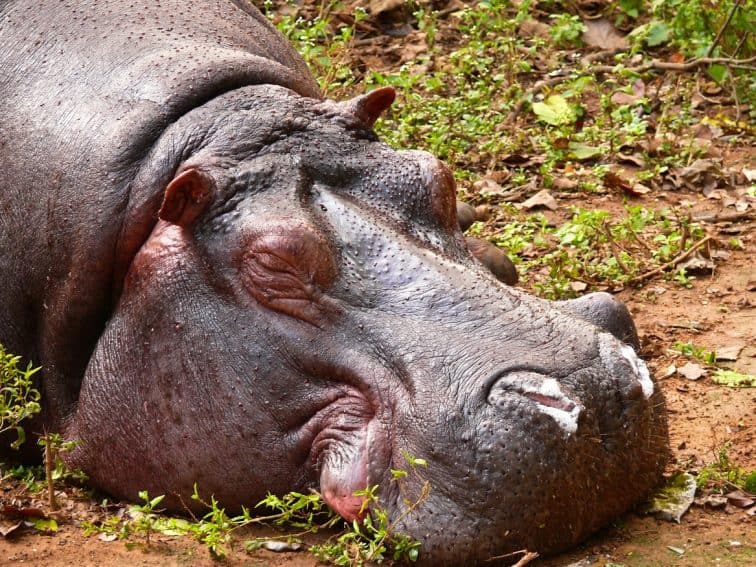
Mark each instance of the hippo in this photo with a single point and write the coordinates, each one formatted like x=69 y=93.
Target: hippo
x=229 y=281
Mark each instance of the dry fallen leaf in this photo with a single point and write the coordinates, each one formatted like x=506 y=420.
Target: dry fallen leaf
x=635 y=159
x=712 y=501
x=564 y=184
x=533 y=28
x=578 y=286
x=729 y=353
x=602 y=33
x=489 y=186
x=380 y=6
x=697 y=264
x=541 y=199
x=9 y=529
x=691 y=371
x=739 y=499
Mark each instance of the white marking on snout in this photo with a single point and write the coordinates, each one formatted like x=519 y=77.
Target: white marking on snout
x=549 y=389
x=640 y=369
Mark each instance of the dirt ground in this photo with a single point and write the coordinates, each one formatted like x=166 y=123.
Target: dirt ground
x=718 y=311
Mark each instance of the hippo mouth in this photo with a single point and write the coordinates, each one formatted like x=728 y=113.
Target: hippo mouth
x=341 y=453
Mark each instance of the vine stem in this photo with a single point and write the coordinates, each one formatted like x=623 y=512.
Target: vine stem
x=724 y=26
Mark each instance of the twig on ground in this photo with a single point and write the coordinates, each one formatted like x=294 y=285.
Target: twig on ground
x=725 y=217
x=671 y=263
x=726 y=23
x=524 y=560
x=658 y=65
x=527 y=558
x=615 y=248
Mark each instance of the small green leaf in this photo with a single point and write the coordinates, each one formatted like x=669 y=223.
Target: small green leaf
x=396 y=474
x=734 y=379
x=658 y=33
x=581 y=152
x=555 y=110
x=45 y=524
x=718 y=73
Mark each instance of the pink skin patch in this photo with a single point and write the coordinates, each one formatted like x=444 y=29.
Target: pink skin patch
x=348 y=507
x=344 y=472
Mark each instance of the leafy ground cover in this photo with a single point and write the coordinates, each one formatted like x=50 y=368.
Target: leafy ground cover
x=605 y=146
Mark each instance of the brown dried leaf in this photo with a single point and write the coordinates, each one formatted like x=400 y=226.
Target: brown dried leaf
x=7 y=530
x=578 y=286
x=613 y=180
x=522 y=159
x=533 y=28
x=740 y=499
x=381 y=6
x=691 y=371
x=541 y=199
x=729 y=353
x=23 y=511
x=638 y=189
x=635 y=159
x=564 y=184
x=602 y=34
x=489 y=186
x=621 y=97
x=712 y=501
x=697 y=264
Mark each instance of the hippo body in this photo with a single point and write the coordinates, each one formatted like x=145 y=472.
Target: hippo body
x=231 y=282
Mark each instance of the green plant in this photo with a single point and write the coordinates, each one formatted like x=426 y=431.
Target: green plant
x=733 y=379
x=689 y=349
x=144 y=515
x=19 y=399
x=324 y=49
x=566 y=29
x=358 y=543
x=376 y=538
x=723 y=474
x=55 y=469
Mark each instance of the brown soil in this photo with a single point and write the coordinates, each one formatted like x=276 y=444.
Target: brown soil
x=717 y=311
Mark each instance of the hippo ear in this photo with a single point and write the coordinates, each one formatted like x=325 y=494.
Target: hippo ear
x=368 y=107
x=186 y=197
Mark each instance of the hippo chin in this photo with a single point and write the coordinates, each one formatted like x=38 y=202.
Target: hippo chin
x=231 y=282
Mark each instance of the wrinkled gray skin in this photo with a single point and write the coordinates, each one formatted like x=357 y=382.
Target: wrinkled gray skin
x=231 y=282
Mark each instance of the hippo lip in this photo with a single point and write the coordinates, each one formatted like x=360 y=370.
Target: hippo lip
x=344 y=452
x=545 y=392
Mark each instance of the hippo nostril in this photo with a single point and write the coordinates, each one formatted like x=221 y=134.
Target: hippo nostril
x=621 y=359
x=553 y=402
x=548 y=395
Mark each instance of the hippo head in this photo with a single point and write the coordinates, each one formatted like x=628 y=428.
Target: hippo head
x=306 y=313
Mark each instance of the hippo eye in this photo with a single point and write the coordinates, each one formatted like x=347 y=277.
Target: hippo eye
x=288 y=270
